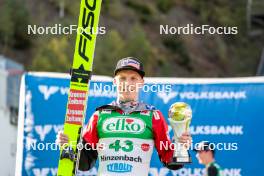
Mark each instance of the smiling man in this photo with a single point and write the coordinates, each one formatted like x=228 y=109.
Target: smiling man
x=126 y=130
x=205 y=155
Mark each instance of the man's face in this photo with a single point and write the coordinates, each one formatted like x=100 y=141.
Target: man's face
x=204 y=156
x=128 y=83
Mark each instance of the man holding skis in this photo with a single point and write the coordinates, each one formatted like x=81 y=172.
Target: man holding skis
x=126 y=130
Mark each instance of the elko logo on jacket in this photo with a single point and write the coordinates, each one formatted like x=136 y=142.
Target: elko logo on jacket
x=124 y=124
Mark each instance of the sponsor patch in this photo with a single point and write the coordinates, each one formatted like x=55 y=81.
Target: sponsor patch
x=106 y=111
x=145 y=147
x=156 y=115
x=124 y=124
x=119 y=167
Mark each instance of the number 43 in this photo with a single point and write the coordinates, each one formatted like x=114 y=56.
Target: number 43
x=126 y=147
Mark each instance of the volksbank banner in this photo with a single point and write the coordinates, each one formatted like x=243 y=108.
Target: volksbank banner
x=227 y=112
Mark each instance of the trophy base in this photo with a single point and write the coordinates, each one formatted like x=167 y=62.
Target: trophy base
x=181 y=160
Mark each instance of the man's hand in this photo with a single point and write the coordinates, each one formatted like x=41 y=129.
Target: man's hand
x=62 y=138
x=185 y=139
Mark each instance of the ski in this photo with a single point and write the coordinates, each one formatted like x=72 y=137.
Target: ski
x=79 y=85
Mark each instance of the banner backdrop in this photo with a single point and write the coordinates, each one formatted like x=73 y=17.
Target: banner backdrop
x=228 y=112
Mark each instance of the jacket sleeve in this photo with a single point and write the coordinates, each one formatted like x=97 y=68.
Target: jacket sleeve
x=89 y=153
x=162 y=141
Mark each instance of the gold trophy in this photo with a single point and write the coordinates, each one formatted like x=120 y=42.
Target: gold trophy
x=180 y=115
